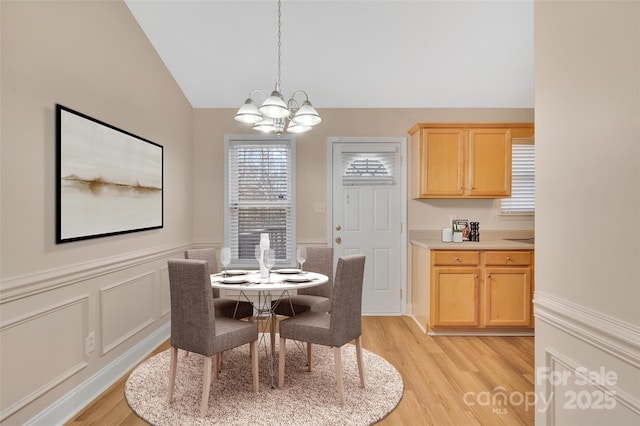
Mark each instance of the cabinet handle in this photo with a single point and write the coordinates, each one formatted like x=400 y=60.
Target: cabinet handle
x=457 y=259
x=508 y=259
x=489 y=276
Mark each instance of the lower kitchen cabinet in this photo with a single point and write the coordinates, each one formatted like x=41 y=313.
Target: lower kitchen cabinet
x=481 y=289
x=507 y=288
x=455 y=288
x=456 y=297
x=507 y=296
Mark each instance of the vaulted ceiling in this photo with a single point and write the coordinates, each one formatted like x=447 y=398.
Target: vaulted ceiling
x=347 y=53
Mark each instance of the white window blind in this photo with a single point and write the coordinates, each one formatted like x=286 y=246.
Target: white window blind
x=260 y=198
x=523 y=197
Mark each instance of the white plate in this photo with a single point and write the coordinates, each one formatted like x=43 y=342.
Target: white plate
x=233 y=280
x=288 y=271
x=297 y=279
x=236 y=272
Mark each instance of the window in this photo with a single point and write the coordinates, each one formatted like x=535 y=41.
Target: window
x=523 y=195
x=369 y=168
x=259 y=196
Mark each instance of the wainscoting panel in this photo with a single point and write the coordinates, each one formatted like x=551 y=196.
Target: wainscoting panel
x=135 y=297
x=50 y=346
x=46 y=374
x=587 y=365
x=577 y=394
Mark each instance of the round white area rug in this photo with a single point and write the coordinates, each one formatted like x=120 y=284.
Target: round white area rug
x=308 y=398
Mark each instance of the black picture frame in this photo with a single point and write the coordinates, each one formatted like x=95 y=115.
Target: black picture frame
x=108 y=181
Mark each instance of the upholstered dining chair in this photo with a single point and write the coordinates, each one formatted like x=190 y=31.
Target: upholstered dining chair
x=335 y=329
x=224 y=307
x=196 y=328
x=315 y=299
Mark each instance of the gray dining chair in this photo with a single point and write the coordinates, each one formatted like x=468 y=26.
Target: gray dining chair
x=335 y=329
x=315 y=299
x=196 y=328
x=224 y=307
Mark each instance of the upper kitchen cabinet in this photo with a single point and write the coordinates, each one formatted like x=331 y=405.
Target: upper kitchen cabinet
x=463 y=160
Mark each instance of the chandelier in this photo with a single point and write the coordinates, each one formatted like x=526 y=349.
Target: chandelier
x=276 y=115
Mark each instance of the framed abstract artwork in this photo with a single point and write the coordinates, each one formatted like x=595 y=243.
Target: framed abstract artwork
x=109 y=181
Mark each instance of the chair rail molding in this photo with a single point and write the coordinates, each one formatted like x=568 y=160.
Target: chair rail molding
x=31 y=284
x=615 y=337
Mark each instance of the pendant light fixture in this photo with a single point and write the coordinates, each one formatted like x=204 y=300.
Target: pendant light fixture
x=276 y=115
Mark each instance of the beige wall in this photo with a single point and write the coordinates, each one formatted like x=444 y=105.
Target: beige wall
x=587 y=81
x=210 y=126
x=90 y=56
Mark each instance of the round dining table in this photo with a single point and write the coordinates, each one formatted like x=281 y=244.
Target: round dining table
x=270 y=291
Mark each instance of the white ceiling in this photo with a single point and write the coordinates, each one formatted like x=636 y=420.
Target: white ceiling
x=348 y=53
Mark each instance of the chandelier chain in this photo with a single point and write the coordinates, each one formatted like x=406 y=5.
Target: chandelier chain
x=276 y=115
x=279 y=45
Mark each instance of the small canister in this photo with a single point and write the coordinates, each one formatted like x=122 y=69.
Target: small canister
x=447 y=235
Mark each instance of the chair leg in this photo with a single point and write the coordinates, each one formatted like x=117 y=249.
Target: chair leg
x=216 y=366
x=337 y=356
x=206 y=384
x=309 y=346
x=172 y=373
x=359 y=357
x=281 y=357
x=254 y=365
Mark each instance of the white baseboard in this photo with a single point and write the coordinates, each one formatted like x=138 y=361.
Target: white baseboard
x=72 y=403
x=424 y=330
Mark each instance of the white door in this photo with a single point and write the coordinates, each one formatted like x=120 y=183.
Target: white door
x=367 y=217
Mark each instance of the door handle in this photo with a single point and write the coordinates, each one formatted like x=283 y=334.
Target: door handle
x=338 y=240
x=338 y=227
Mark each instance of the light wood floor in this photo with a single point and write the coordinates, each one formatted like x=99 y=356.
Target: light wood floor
x=449 y=380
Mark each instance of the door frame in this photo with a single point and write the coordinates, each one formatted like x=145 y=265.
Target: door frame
x=403 y=198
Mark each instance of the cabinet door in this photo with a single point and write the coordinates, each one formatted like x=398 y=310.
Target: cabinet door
x=489 y=163
x=442 y=162
x=455 y=297
x=507 y=297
